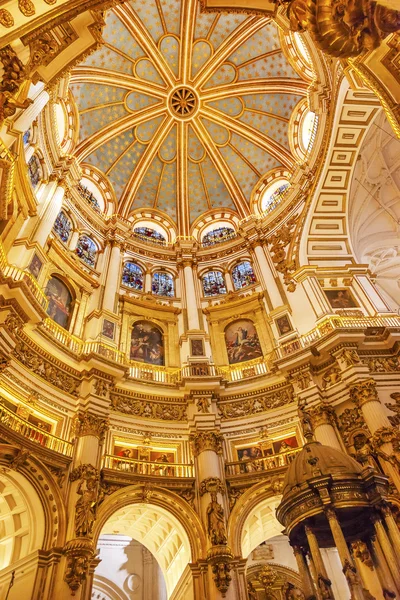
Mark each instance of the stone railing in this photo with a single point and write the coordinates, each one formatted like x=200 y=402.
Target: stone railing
x=335 y=323
x=251 y=368
x=33 y=433
x=265 y=463
x=18 y=275
x=144 y=467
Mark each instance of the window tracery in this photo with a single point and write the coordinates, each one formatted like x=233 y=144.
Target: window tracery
x=243 y=275
x=215 y=236
x=86 y=250
x=62 y=226
x=163 y=284
x=34 y=170
x=214 y=283
x=132 y=276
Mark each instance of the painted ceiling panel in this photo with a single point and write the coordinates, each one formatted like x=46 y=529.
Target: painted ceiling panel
x=147 y=99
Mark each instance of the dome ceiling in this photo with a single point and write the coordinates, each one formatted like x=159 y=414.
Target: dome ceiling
x=185 y=112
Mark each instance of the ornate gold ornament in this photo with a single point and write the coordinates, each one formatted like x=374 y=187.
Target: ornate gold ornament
x=26 y=7
x=344 y=28
x=302 y=379
x=211 y=485
x=291 y=592
x=88 y=492
x=216 y=522
x=364 y=392
x=279 y=241
x=394 y=420
x=350 y=357
x=6 y=18
x=251 y=406
x=331 y=376
x=183 y=102
x=220 y=558
x=349 y=420
x=203 y=405
x=17 y=461
x=382 y=365
x=13 y=76
x=79 y=555
x=43 y=50
x=267 y=577
x=150 y=410
x=234 y=495
x=206 y=440
x=360 y=551
x=306 y=420
x=101 y=387
x=323 y=414
x=86 y=423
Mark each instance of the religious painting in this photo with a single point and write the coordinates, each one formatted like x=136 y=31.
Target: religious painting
x=284 y=325
x=197 y=348
x=340 y=298
x=250 y=453
x=60 y=302
x=157 y=456
x=285 y=445
x=125 y=452
x=147 y=344
x=35 y=266
x=242 y=341
x=108 y=329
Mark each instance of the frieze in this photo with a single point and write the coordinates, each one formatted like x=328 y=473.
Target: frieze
x=256 y=405
x=148 y=410
x=387 y=364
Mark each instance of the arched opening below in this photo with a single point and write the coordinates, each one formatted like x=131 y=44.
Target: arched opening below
x=156 y=534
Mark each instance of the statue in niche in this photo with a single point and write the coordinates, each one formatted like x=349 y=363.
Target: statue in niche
x=216 y=522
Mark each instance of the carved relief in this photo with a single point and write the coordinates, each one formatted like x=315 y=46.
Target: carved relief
x=349 y=420
x=279 y=241
x=150 y=410
x=206 y=440
x=322 y=415
x=350 y=357
x=222 y=578
x=6 y=18
x=394 y=420
x=212 y=485
x=79 y=554
x=331 y=376
x=364 y=392
x=203 y=405
x=360 y=551
x=13 y=77
x=256 y=405
x=382 y=365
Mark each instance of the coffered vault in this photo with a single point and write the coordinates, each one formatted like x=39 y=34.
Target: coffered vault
x=186 y=112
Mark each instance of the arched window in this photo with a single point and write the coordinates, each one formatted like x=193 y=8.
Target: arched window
x=222 y=234
x=243 y=275
x=62 y=226
x=147 y=343
x=90 y=198
x=60 y=302
x=148 y=233
x=132 y=276
x=274 y=193
x=86 y=250
x=163 y=284
x=34 y=170
x=214 y=283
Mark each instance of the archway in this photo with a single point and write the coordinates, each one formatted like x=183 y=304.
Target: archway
x=161 y=521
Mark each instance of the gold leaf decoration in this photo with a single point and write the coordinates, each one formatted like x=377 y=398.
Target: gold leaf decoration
x=26 y=7
x=6 y=18
x=50 y=1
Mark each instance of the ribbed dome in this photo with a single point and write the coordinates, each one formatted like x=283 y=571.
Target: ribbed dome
x=327 y=460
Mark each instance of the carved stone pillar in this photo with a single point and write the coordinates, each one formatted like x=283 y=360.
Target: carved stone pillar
x=267 y=275
x=366 y=568
x=304 y=571
x=191 y=299
x=323 y=419
x=393 y=530
x=382 y=568
x=387 y=550
x=324 y=584
x=349 y=569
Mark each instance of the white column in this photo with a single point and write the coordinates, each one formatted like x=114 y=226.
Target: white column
x=147 y=282
x=49 y=216
x=26 y=118
x=112 y=281
x=228 y=281
x=74 y=240
x=191 y=300
x=269 y=279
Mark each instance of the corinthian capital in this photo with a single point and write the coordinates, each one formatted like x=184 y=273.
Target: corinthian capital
x=206 y=440
x=87 y=423
x=364 y=392
x=322 y=415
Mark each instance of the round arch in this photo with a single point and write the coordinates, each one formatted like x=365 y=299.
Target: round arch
x=253 y=519
x=142 y=506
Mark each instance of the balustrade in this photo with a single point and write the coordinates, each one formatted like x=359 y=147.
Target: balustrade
x=33 y=433
x=266 y=463
x=144 y=467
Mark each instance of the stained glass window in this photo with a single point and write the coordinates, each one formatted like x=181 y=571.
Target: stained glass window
x=218 y=235
x=132 y=276
x=87 y=195
x=243 y=275
x=34 y=170
x=274 y=194
x=148 y=233
x=62 y=226
x=86 y=250
x=163 y=284
x=26 y=137
x=213 y=283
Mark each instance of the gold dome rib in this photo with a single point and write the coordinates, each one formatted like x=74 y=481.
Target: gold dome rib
x=274 y=85
x=182 y=200
x=138 y=30
x=91 y=143
x=253 y=135
x=240 y=35
x=224 y=171
x=128 y=82
x=139 y=172
x=188 y=20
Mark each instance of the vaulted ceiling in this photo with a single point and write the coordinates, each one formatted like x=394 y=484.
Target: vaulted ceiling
x=185 y=112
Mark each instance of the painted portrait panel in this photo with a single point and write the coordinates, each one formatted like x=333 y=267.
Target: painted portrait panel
x=340 y=298
x=108 y=329
x=197 y=347
x=147 y=344
x=250 y=453
x=125 y=452
x=284 y=325
x=157 y=456
x=242 y=341
x=285 y=445
x=60 y=302
x=35 y=266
